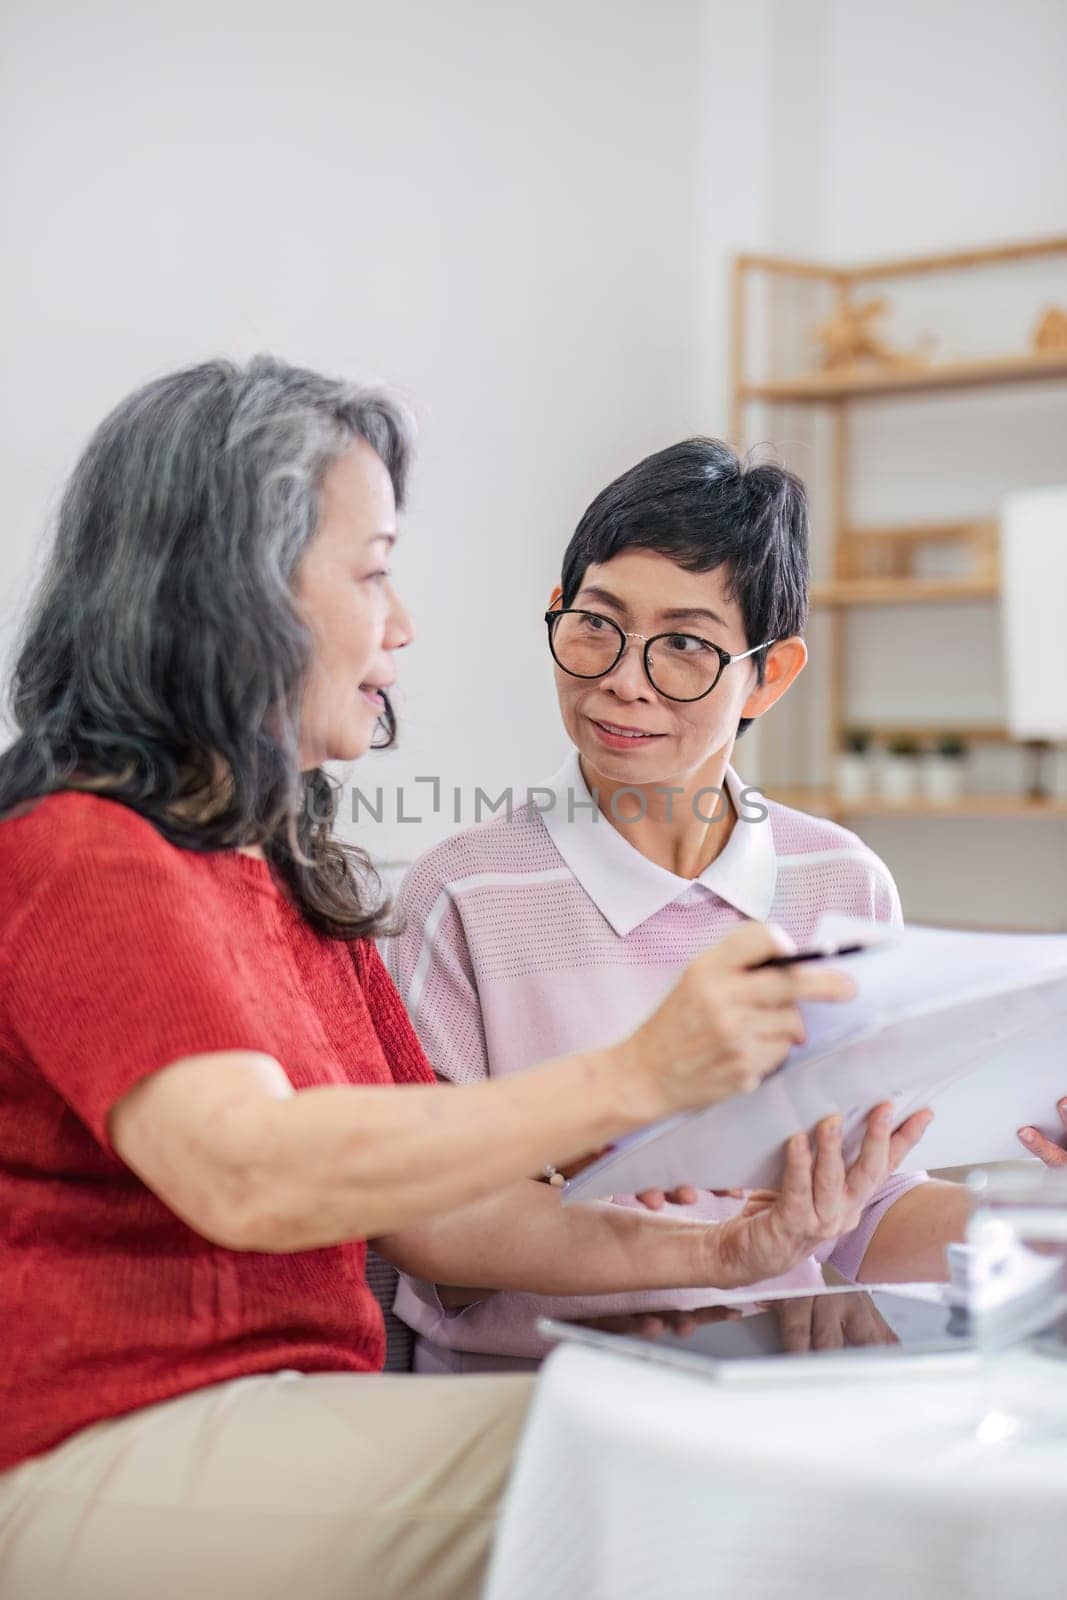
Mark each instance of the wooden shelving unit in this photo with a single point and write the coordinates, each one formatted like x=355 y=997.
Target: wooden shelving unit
x=847 y=586
x=827 y=387
x=902 y=591
x=825 y=803
x=977 y=732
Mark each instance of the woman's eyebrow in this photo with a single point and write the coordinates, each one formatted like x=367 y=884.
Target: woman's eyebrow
x=674 y=614
x=604 y=596
x=680 y=612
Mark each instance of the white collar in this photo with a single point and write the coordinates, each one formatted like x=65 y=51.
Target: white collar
x=625 y=885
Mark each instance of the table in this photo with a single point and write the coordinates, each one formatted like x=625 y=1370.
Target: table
x=637 y=1480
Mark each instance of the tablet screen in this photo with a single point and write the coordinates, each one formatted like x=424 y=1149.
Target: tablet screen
x=799 y=1325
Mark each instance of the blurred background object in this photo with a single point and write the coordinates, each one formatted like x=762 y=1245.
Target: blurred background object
x=523 y=216
x=1034 y=524
x=1014 y=1272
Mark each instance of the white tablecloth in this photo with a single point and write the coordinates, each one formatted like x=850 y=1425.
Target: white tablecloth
x=635 y=1480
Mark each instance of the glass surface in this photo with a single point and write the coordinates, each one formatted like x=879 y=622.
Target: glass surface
x=683 y=666
x=798 y=1325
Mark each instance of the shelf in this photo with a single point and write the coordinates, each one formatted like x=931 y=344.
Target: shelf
x=906 y=266
x=970 y=732
x=824 y=803
x=824 y=386
x=903 y=591
x=970 y=529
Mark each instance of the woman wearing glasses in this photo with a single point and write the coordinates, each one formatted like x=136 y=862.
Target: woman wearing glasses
x=212 y=1095
x=678 y=621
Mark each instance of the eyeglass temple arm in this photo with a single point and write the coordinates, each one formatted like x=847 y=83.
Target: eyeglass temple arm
x=756 y=648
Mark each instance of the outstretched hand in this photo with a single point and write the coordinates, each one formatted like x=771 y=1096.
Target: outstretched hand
x=819 y=1199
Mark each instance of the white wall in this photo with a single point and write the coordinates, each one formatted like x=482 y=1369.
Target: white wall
x=493 y=207
x=946 y=124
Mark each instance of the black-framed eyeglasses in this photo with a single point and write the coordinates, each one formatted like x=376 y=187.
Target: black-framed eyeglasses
x=679 y=666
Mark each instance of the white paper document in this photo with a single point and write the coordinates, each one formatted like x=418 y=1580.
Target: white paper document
x=973 y=1025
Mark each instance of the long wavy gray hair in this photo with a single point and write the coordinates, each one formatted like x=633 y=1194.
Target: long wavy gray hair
x=163 y=661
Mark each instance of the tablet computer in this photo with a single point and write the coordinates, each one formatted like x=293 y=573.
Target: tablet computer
x=829 y=1332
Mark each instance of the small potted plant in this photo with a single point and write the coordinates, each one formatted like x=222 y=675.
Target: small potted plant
x=942 y=769
x=854 y=765
x=899 y=770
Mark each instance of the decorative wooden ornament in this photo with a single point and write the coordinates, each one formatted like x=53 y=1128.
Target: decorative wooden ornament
x=1050 y=335
x=848 y=340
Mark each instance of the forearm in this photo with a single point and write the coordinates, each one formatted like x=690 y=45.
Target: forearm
x=910 y=1240
x=523 y=1238
x=225 y=1141
x=340 y=1163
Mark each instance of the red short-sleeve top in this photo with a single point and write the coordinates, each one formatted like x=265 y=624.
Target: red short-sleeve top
x=119 y=954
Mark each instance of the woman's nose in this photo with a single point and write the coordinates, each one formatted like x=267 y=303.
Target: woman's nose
x=627 y=677
x=400 y=628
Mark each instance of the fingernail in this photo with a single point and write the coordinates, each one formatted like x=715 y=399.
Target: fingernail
x=1063 y=1104
x=1027 y=1135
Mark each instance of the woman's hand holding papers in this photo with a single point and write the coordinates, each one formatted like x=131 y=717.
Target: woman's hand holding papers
x=724 y=1026
x=1051 y=1154
x=819 y=1200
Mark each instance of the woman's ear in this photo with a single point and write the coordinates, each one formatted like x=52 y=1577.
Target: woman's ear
x=786 y=660
x=554 y=598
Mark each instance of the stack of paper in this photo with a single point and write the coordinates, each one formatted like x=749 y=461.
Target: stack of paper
x=973 y=1025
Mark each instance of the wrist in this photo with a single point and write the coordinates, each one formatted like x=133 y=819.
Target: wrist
x=718 y=1265
x=637 y=1094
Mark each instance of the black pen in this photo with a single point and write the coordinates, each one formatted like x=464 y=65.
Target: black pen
x=808 y=955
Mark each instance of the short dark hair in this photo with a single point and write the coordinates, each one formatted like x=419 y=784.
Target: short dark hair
x=699 y=504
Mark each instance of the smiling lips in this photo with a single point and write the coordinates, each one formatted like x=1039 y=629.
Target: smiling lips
x=612 y=731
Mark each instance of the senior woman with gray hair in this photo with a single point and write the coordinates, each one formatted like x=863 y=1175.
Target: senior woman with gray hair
x=212 y=1096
